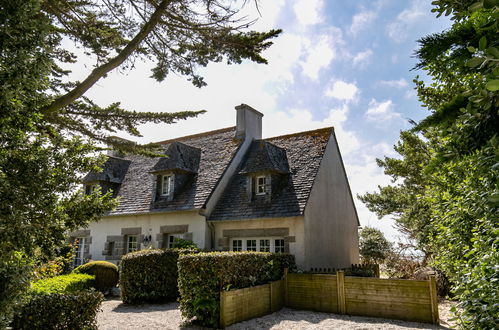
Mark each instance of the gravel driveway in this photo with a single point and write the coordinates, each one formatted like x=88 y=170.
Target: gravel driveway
x=115 y=315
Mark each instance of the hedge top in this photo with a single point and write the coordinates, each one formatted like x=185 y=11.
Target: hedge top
x=63 y=284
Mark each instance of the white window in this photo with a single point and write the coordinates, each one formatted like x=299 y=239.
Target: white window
x=79 y=259
x=261 y=185
x=166 y=183
x=132 y=243
x=264 y=245
x=251 y=245
x=261 y=244
x=279 y=246
x=171 y=239
x=237 y=245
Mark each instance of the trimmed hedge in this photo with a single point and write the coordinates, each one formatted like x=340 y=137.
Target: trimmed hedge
x=150 y=276
x=202 y=276
x=63 y=284
x=61 y=302
x=106 y=274
x=77 y=310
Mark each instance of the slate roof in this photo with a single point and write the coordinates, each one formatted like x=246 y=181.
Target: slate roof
x=180 y=157
x=114 y=170
x=264 y=156
x=304 y=152
x=138 y=187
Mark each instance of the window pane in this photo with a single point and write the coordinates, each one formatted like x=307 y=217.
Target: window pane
x=251 y=245
x=237 y=245
x=261 y=185
x=279 y=245
x=264 y=245
x=132 y=243
x=165 y=185
x=79 y=251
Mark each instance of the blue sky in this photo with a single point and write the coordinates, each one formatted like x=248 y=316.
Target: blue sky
x=338 y=63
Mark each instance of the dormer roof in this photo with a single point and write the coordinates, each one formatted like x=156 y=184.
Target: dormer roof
x=179 y=157
x=113 y=171
x=264 y=157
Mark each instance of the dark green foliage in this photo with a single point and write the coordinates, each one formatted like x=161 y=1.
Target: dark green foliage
x=374 y=247
x=106 y=274
x=202 y=276
x=454 y=208
x=150 y=275
x=63 y=284
x=75 y=310
x=179 y=243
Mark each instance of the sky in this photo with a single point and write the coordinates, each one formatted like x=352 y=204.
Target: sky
x=345 y=64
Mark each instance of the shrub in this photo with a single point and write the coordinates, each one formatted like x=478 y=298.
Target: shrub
x=373 y=246
x=63 y=284
x=61 y=302
x=75 y=310
x=202 y=276
x=106 y=274
x=150 y=276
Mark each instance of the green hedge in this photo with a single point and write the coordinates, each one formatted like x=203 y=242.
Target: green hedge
x=61 y=302
x=77 y=310
x=106 y=274
x=63 y=284
x=150 y=275
x=202 y=276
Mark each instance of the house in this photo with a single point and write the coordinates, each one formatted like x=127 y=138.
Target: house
x=229 y=189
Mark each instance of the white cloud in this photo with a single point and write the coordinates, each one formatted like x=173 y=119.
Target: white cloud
x=342 y=90
x=401 y=83
x=361 y=21
x=398 y=29
x=362 y=59
x=308 y=12
x=381 y=111
x=318 y=57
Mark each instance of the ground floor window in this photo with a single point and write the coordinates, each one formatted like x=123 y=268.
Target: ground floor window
x=80 y=244
x=261 y=244
x=169 y=240
x=132 y=243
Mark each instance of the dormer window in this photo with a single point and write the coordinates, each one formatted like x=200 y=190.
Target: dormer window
x=166 y=185
x=261 y=185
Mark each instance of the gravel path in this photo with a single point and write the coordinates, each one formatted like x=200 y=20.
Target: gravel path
x=115 y=315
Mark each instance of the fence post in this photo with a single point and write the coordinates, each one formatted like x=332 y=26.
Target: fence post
x=376 y=271
x=286 y=301
x=271 y=286
x=434 y=299
x=340 y=284
x=222 y=307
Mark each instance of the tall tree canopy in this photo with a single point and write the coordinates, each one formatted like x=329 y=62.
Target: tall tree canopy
x=48 y=127
x=447 y=189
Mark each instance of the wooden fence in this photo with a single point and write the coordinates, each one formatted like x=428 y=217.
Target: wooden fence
x=408 y=300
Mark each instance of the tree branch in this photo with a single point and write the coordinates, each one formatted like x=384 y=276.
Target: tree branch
x=102 y=70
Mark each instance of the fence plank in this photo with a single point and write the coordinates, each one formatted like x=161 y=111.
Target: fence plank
x=434 y=300
x=340 y=280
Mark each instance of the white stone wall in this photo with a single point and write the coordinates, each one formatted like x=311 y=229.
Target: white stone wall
x=150 y=224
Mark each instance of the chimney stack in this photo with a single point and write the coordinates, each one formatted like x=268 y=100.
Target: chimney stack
x=248 y=122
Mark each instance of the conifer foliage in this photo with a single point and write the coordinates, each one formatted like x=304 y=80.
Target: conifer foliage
x=49 y=127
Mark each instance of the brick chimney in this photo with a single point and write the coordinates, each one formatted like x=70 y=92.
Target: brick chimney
x=248 y=122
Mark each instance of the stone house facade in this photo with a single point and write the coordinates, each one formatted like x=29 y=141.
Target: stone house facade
x=230 y=189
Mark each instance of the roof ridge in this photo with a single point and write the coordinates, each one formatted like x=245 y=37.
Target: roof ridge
x=187 y=137
x=331 y=128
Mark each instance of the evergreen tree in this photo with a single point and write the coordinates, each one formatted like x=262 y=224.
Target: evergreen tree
x=49 y=128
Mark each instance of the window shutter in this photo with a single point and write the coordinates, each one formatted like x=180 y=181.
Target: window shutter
x=268 y=186
x=171 y=184
x=158 y=186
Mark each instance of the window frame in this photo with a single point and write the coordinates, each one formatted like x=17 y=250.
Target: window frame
x=129 y=242
x=258 y=245
x=79 y=258
x=170 y=239
x=258 y=185
x=169 y=178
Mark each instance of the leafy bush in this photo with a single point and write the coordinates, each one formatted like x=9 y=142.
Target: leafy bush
x=63 y=284
x=202 y=276
x=106 y=274
x=374 y=247
x=60 y=264
x=15 y=275
x=75 y=310
x=150 y=275
x=180 y=243
x=61 y=302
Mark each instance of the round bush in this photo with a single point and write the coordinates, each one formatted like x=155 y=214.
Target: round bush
x=106 y=274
